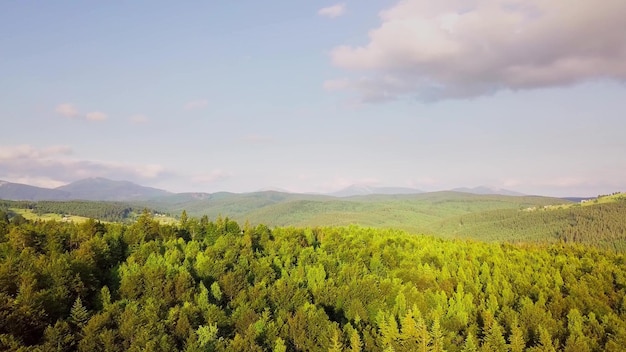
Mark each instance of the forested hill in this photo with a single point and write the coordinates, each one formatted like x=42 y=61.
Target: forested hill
x=107 y=211
x=600 y=222
x=411 y=212
x=220 y=286
x=597 y=222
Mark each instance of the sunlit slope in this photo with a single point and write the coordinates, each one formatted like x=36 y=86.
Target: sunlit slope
x=600 y=223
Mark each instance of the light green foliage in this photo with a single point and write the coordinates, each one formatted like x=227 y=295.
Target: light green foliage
x=105 y=297
x=279 y=345
x=437 y=343
x=335 y=343
x=207 y=334
x=494 y=340
x=216 y=291
x=470 y=344
x=316 y=289
x=355 y=342
x=516 y=340
x=576 y=341
x=316 y=277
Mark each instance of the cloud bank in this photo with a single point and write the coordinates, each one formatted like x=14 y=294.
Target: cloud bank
x=461 y=49
x=54 y=165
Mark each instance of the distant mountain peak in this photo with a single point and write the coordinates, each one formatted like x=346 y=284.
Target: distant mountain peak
x=100 y=188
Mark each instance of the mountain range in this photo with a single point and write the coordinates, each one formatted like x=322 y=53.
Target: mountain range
x=102 y=189
x=403 y=208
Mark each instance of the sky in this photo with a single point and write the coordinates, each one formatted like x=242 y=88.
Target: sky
x=315 y=96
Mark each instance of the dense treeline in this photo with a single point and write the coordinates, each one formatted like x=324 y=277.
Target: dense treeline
x=601 y=225
x=217 y=286
x=107 y=211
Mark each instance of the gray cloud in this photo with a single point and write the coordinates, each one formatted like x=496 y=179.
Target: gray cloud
x=460 y=49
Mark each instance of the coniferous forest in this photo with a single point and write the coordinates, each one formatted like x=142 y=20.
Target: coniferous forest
x=204 y=285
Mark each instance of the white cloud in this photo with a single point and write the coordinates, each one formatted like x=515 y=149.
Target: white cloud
x=96 y=116
x=333 y=11
x=70 y=111
x=139 y=119
x=67 y=110
x=459 y=49
x=54 y=164
x=196 y=104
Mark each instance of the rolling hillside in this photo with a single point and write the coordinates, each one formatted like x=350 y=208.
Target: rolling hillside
x=601 y=222
x=413 y=212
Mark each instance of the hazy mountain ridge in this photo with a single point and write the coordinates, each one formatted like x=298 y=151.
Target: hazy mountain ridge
x=99 y=188
x=487 y=190
x=19 y=191
x=363 y=190
x=102 y=189
x=96 y=189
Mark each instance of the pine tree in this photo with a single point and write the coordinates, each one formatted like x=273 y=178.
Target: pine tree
x=576 y=341
x=388 y=328
x=58 y=337
x=516 y=340
x=79 y=314
x=216 y=291
x=436 y=337
x=494 y=340
x=545 y=341
x=207 y=334
x=423 y=334
x=279 y=345
x=470 y=343
x=355 y=342
x=105 y=296
x=335 y=342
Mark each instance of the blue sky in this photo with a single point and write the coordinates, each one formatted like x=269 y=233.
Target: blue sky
x=315 y=96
